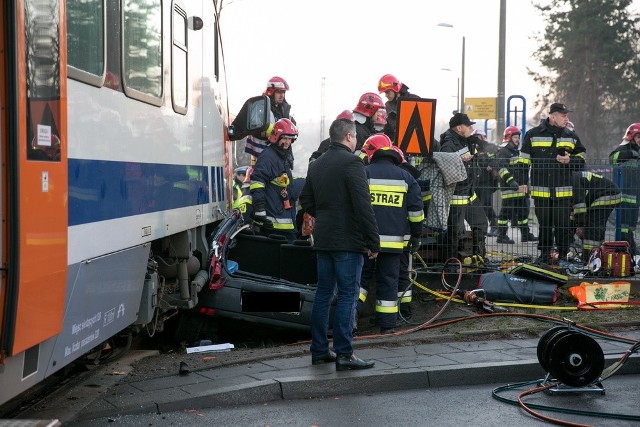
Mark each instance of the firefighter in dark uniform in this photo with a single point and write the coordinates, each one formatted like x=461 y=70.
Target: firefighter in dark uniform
x=274 y=208
x=594 y=198
x=396 y=200
x=405 y=287
x=464 y=197
x=514 y=183
x=553 y=152
x=626 y=160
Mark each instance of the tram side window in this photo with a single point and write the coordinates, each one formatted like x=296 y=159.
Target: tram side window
x=179 y=61
x=86 y=39
x=142 y=50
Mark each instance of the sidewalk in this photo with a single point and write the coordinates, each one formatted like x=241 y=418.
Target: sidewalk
x=106 y=393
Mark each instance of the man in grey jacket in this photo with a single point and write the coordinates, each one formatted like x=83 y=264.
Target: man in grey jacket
x=336 y=193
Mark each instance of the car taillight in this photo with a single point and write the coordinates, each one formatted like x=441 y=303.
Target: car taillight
x=207 y=311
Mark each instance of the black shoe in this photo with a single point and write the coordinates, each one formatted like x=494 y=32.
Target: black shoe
x=345 y=363
x=328 y=357
x=387 y=331
x=504 y=239
x=529 y=237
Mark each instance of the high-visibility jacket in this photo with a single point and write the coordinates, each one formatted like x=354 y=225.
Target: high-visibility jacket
x=512 y=171
x=396 y=201
x=591 y=190
x=541 y=145
x=270 y=192
x=626 y=159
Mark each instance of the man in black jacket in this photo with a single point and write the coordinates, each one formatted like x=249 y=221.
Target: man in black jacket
x=554 y=153
x=336 y=193
x=464 y=197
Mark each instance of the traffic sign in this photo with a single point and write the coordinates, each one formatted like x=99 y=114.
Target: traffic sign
x=416 y=119
x=480 y=108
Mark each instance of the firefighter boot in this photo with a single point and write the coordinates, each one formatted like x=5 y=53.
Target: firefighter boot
x=527 y=236
x=502 y=236
x=478 y=242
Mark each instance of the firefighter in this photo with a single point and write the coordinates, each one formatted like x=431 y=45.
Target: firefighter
x=553 y=152
x=393 y=90
x=464 y=197
x=594 y=198
x=363 y=114
x=276 y=89
x=274 y=208
x=626 y=159
x=514 y=184
x=240 y=173
x=396 y=200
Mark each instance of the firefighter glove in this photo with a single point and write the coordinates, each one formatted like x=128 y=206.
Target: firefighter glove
x=414 y=244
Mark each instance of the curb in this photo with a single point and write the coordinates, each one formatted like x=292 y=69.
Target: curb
x=344 y=383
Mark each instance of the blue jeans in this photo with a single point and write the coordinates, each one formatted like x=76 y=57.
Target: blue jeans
x=342 y=269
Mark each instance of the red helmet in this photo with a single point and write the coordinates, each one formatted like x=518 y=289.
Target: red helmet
x=368 y=104
x=346 y=114
x=276 y=83
x=283 y=127
x=509 y=132
x=389 y=82
x=400 y=153
x=374 y=143
x=632 y=130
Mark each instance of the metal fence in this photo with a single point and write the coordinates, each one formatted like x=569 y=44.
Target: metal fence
x=598 y=205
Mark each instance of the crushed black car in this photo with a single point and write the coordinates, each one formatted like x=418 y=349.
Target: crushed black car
x=259 y=279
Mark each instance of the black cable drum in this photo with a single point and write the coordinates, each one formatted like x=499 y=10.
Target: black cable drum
x=571 y=357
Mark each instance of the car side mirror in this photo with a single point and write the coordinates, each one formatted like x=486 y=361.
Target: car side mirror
x=253 y=118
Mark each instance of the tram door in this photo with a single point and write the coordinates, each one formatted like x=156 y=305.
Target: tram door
x=33 y=180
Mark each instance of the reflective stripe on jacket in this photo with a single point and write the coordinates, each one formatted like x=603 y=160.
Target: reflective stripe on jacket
x=540 y=147
x=396 y=201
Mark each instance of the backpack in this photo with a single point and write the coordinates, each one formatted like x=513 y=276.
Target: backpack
x=615 y=258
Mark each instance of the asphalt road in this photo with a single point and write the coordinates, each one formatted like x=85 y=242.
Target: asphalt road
x=450 y=406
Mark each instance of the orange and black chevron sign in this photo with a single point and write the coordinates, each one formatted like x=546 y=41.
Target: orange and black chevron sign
x=416 y=120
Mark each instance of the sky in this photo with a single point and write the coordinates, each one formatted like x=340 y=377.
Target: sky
x=350 y=44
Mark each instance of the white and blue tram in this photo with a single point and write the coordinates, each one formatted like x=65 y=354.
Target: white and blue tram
x=115 y=166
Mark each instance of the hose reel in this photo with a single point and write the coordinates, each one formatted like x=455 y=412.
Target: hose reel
x=571 y=357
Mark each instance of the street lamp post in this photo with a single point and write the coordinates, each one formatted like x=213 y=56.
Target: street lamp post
x=461 y=79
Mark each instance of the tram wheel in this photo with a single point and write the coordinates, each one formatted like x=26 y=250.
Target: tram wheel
x=110 y=350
